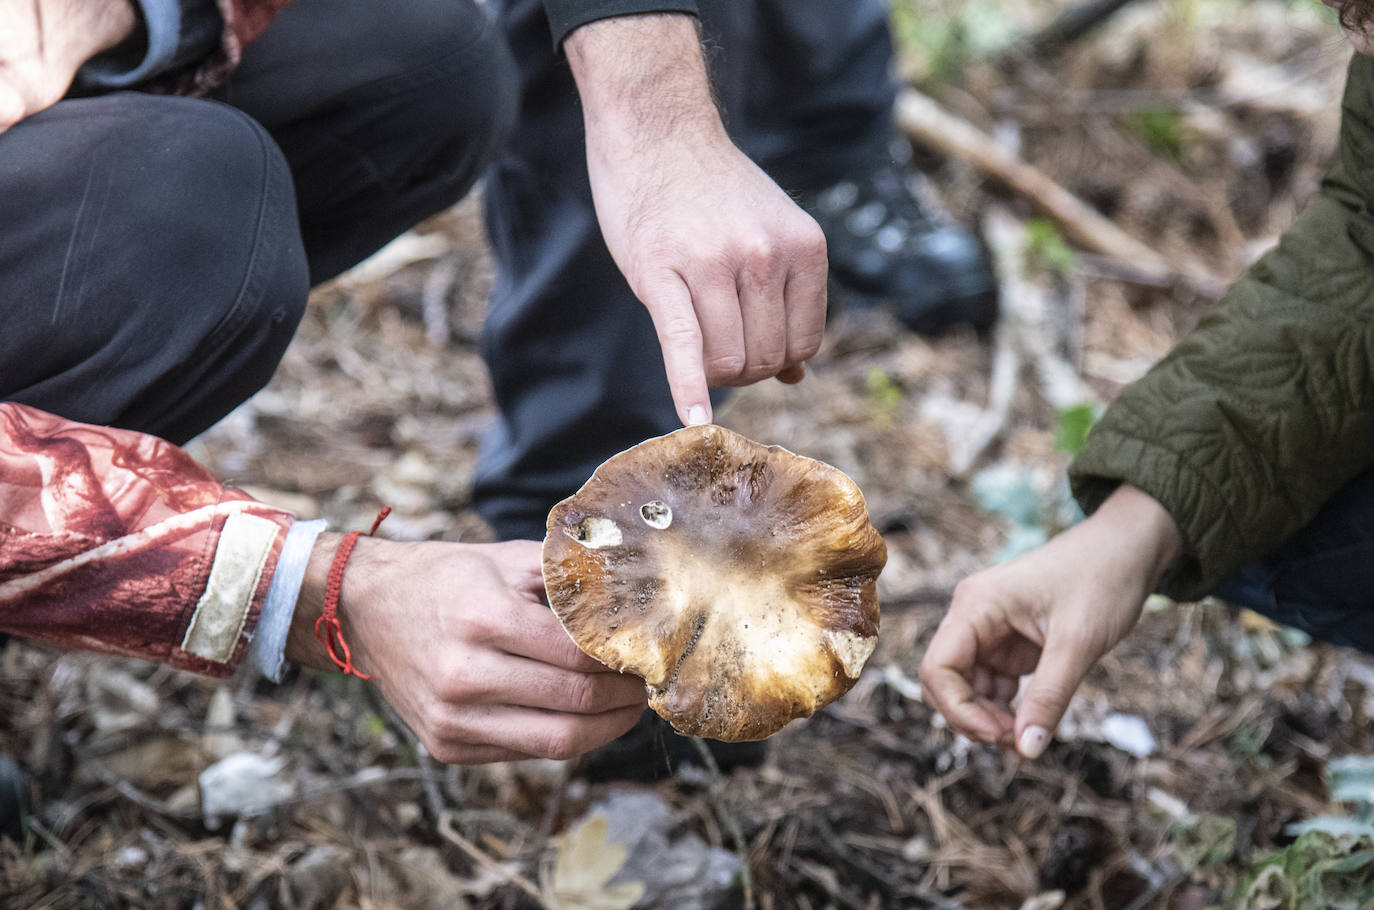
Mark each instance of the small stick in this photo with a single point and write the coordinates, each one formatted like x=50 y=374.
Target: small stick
x=479 y=856
x=731 y=823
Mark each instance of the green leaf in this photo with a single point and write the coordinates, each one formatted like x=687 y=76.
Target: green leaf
x=1045 y=247
x=1318 y=871
x=1074 y=423
x=1204 y=841
x=1161 y=131
x=884 y=396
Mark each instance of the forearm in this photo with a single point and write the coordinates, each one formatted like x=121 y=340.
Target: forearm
x=642 y=80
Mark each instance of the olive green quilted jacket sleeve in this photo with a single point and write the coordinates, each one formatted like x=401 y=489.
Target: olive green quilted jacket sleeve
x=1254 y=421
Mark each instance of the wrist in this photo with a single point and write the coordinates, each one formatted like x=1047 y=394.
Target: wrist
x=303 y=644
x=642 y=80
x=1151 y=532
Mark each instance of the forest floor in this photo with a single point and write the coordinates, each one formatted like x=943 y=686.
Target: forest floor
x=1200 y=128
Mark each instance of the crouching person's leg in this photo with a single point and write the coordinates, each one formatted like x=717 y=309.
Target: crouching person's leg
x=387 y=113
x=152 y=266
x=1321 y=580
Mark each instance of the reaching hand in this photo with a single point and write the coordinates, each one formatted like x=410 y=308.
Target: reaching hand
x=44 y=42
x=457 y=639
x=732 y=272
x=1051 y=613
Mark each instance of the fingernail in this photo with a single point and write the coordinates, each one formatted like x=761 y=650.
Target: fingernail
x=1032 y=742
x=696 y=415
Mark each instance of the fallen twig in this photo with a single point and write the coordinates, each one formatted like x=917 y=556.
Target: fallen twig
x=933 y=126
x=731 y=823
x=449 y=833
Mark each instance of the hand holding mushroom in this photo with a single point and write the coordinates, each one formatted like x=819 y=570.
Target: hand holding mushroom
x=1051 y=613
x=738 y=580
x=459 y=641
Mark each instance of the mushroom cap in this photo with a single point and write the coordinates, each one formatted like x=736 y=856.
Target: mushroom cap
x=737 y=579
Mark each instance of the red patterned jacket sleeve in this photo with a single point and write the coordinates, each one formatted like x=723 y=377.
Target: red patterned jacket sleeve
x=117 y=541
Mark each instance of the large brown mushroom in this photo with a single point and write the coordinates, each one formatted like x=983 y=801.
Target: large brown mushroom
x=737 y=579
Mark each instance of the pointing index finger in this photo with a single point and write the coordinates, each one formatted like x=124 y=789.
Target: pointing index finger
x=669 y=302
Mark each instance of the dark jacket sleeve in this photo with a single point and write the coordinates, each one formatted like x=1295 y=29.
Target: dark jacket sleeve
x=117 y=541
x=183 y=47
x=566 y=15
x=1254 y=421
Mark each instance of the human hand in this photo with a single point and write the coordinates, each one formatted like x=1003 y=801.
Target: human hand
x=731 y=271
x=1051 y=613
x=459 y=642
x=44 y=42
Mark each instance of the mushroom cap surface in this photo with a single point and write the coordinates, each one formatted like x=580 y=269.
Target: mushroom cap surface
x=737 y=579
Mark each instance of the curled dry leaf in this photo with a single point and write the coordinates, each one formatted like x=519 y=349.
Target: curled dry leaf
x=739 y=580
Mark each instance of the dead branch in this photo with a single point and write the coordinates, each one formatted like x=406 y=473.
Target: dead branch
x=930 y=124
x=449 y=832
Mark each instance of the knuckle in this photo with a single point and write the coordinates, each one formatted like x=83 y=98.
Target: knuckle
x=804 y=346
x=559 y=743
x=583 y=694
x=760 y=252
x=681 y=330
x=724 y=366
x=766 y=364
x=812 y=240
x=972 y=592
x=454 y=683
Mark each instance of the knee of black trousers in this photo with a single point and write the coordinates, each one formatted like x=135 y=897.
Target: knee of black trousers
x=191 y=276
x=263 y=283
x=423 y=134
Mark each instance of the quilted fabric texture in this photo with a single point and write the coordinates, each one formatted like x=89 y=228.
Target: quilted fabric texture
x=119 y=542
x=1254 y=421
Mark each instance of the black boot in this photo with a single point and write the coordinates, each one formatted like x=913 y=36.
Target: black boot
x=888 y=238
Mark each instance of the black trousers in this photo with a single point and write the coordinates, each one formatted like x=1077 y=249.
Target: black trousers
x=156 y=252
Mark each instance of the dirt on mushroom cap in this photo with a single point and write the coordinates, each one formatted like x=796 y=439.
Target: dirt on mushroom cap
x=737 y=579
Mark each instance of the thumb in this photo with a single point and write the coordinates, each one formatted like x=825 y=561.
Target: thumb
x=1063 y=663
x=669 y=302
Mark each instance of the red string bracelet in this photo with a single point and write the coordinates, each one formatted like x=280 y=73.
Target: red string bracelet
x=330 y=616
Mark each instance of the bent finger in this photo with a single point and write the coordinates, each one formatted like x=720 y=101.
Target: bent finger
x=763 y=312
x=805 y=297
x=532 y=684
x=948 y=674
x=543 y=734
x=531 y=630
x=716 y=301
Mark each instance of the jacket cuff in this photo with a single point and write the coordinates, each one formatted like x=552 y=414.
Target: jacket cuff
x=566 y=15
x=172 y=35
x=1203 y=514
x=119 y=542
